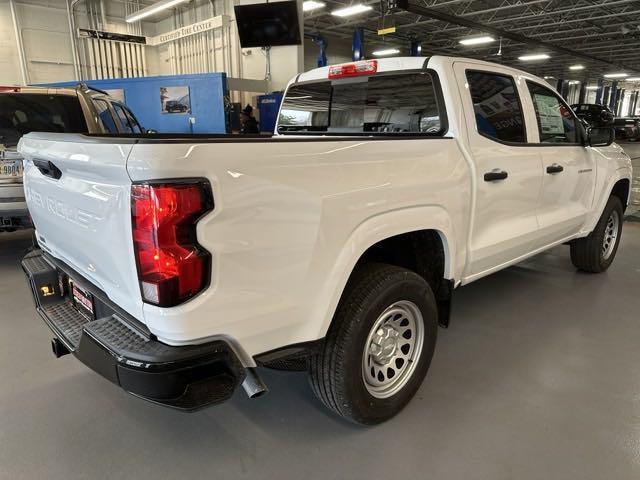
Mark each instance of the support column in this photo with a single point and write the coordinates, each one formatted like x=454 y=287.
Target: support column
x=358 y=44
x=605 y=96
x=613 y=95
x=599 y=93
x=20 y=49
x=583 y=92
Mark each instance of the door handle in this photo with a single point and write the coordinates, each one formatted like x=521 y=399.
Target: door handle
x=48 y=169
x=555 y=168
x=495 y=175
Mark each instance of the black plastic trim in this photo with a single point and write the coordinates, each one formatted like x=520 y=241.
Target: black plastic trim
x=185 y=378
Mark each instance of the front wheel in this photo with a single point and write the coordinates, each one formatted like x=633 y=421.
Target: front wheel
x=595 y=253
x=379 y=347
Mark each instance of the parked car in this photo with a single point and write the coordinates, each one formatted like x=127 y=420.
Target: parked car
x=56 y=110
x=627 y=128
x=173 y=106
x=594 y=115
x=332 y=247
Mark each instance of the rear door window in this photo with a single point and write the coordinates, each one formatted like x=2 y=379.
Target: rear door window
x=497 y=106
x=393 y=104
x=556 y=121
x=22 y=113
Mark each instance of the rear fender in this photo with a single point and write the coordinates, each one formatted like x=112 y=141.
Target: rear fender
x=367 y=234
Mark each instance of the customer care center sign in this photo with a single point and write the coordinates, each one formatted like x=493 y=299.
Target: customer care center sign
x=193 y=29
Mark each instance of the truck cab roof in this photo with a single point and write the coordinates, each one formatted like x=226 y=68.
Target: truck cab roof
x=395 y=64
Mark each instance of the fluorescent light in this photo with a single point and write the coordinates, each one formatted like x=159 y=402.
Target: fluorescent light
x=592 y=88
x=152 y=10
x=616 y=75
x=477 y=40
x=548 y=77
x=634 y=79
x=573 y=82
x=352 y=10
x=310 y=5
x=533 y=57
x=385 y=52
x=576 y=67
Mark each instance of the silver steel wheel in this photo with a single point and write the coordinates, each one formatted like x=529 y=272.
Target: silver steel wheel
x=610 y=235
x=393 y=349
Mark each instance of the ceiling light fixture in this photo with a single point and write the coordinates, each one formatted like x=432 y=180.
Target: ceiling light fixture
x=152 y=10
x=573 y=82
x=616 y=75
x=310 y=5
x=534 y=57
x=477 y=40
x=548 y=77
x=592 y=88
x=352 y=10
x=386 y=52
x=634 y=79
x=576 y=67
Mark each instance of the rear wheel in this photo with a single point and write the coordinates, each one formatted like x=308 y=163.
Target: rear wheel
x=379 y=347
x=595 y=253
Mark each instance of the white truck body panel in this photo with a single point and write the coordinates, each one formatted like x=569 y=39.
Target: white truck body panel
x=293 y=214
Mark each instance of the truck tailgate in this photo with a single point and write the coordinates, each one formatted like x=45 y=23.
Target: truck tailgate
x=78 y=192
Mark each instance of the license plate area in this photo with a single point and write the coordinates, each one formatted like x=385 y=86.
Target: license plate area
x=81 y=299
x=10 y=169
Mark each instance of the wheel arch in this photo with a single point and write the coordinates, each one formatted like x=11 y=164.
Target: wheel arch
x=374 y=240
x=622 y=190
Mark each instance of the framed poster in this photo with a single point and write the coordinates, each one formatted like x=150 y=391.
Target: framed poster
x=175 y=100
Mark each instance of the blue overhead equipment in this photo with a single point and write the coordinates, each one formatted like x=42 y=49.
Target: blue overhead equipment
x=323 y=44
x=415 y=50
x=358 y=44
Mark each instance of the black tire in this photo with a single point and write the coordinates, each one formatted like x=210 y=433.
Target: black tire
x=587 y=253
x=336 y=373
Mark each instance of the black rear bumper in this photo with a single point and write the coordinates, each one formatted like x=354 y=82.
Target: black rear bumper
x=120 y=349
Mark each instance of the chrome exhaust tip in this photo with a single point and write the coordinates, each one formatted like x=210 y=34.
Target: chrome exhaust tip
x=253 y=384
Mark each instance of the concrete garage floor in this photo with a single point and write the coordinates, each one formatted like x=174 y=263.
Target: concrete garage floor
x=537 y=378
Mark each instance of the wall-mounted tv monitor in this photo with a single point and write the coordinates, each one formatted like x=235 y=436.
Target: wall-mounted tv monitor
x=268 y=24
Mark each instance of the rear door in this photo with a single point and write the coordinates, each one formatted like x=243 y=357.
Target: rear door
x=78 y=193
x=508 y=169
x=568 y=167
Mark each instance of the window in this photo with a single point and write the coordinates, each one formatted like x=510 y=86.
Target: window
x=21 y=113
x=556 y=121
x=127 y=127
x=497 y=106
x=105 y=116
x=382 y=105
x=132 y=120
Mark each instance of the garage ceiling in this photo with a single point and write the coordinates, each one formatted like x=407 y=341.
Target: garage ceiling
x=601 y=35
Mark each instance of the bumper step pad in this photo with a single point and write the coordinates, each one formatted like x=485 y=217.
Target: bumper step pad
x=186 y=378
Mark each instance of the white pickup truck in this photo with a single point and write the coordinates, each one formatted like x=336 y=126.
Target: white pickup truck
x=174 y=266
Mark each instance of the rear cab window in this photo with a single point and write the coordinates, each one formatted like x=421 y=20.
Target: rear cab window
x=383 y=104
x=22 y=113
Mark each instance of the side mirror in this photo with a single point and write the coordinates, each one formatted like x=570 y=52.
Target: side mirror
x=151 y=131
x=600 y=136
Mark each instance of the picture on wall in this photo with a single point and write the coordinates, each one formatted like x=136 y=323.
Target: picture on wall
x=175 y=100
x=116 y=94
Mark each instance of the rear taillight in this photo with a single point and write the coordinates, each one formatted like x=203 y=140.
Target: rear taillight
x=172 y=266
